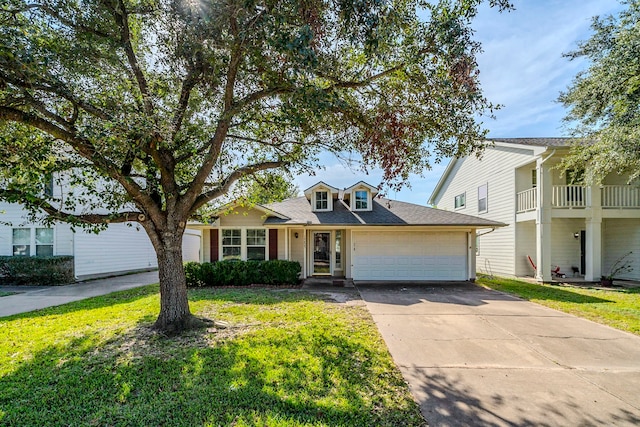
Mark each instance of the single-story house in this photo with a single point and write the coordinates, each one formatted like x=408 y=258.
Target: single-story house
x=351 y=233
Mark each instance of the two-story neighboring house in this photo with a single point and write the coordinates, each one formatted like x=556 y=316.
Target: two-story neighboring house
x=120 y=249
x=553 y=217
x=350 y=233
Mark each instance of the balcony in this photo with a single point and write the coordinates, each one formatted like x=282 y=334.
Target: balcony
x=569 y=196
x=577 y=197
x=620 y=196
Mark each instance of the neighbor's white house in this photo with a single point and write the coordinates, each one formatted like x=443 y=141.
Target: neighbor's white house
x=554 y=219
x=350 y=233
x=121 y=248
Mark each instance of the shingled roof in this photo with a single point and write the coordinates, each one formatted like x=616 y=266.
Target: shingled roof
x=384 y=212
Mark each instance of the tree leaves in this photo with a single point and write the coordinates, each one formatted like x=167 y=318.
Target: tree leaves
x=604 y=100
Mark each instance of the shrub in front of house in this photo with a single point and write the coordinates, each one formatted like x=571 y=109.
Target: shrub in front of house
x=242 y=273
x=36 y=270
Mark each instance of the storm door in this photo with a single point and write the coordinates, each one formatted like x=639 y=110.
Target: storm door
x=321 y=252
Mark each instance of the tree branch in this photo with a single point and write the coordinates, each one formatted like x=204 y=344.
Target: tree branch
x=85 y=149
x=226 y=183
x=122 y=20
x=188 y=84
x=57 y=214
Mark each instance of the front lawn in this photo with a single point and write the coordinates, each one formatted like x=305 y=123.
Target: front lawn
x=617 y=307
x=288 y=359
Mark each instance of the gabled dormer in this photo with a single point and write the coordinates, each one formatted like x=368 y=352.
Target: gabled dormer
x=321 y=196
x=360 y=196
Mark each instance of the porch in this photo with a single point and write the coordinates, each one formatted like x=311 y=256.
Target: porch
x=579 y=197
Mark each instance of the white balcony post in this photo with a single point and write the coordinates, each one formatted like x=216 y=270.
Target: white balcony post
x=593 y=245
x=543 y=223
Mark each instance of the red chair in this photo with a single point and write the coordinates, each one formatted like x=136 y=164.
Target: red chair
x=555 y=272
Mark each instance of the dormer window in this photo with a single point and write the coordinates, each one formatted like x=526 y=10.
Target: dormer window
x=322 y=200
x=359 y=197
x=362 y=199
x=321 y=197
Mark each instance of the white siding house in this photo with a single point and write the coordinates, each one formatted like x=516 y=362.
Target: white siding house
x=553 y=220
x=119 y=249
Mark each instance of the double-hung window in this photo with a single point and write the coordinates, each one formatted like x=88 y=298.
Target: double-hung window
x=322 y=200
x=28 y=241
x=231 y=244
x=460 y=200
x=256 y=244
x=362 y=200
x=21 y=241
x=482 y=198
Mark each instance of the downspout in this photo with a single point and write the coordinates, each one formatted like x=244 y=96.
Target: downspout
x=472 y=263
x=484 y=234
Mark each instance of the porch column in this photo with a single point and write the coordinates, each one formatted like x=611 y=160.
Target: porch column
x=471 y=255
x=543 y=222
x=593 y=245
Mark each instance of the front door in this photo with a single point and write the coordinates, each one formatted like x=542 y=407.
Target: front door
x=321 y=252
x=583 y=251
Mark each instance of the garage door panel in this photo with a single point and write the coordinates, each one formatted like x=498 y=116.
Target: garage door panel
x=410 y=256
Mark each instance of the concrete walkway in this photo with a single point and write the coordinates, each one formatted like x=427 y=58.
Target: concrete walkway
x=36 y=297
x=474 y=357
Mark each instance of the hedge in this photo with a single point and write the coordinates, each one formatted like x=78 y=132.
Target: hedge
x=36 y=270
x=242 y=273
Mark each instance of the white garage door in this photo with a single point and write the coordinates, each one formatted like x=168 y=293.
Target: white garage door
x=406 y=255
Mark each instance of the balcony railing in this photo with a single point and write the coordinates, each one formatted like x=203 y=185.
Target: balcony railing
x=569 y=196
x=620 y=196
x=527 y=200
x=575 y=196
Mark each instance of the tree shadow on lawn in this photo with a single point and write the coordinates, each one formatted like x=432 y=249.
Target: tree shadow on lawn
x=110 y=300
x=293 y=375
x=530 y=291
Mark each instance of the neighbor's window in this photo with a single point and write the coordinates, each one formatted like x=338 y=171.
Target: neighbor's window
x=361 y=200
x=48 y=186
x=482 y=198
x=322 y=200
x=460 y=200
x=27 y=243
x=21 y=241
x=231 y=244
x=534 y=178
x=256 y=244
x=44 y=241
x=575 y=176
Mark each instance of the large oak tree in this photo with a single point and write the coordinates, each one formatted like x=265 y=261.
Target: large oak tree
x=151 y=109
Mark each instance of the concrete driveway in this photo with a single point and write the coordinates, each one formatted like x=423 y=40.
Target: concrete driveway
x=475 y=357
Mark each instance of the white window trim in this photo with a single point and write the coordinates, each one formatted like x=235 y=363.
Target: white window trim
x=464 y=205
x=486 y=198
x=32 y=239
x=329 y=199
x=353 y=198
x=243 y=241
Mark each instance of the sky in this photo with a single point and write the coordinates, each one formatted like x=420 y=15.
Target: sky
x=522 y=68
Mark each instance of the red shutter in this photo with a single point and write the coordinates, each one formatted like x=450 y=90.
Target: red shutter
x=213 y=245
x=273 y=244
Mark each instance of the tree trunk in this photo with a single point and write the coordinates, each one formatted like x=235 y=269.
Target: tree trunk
x=174 y=314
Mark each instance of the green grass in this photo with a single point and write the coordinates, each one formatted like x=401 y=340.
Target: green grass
x=618 y=307
x=6 y=294
x=288 y=359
